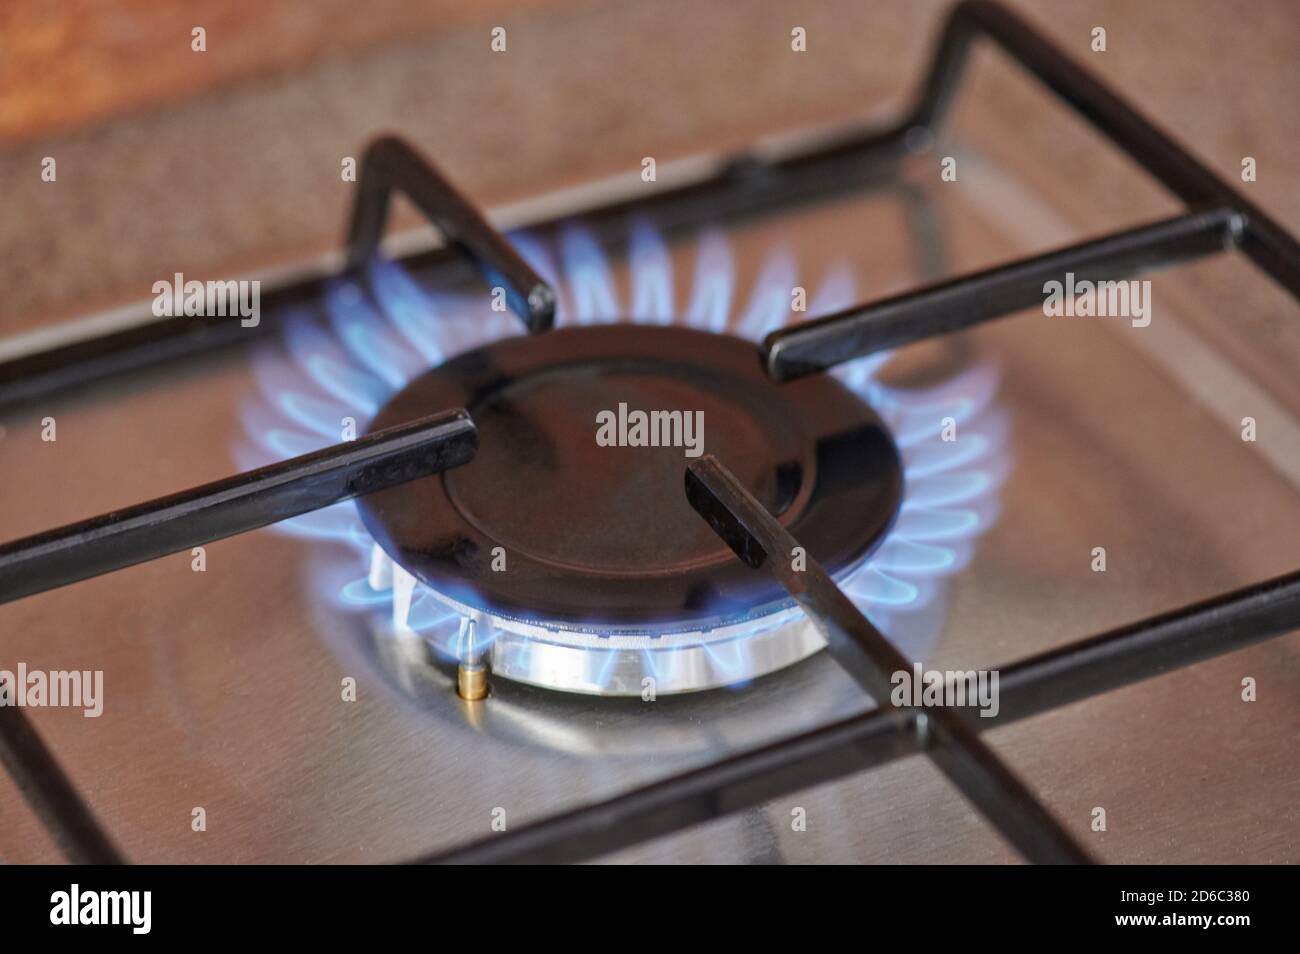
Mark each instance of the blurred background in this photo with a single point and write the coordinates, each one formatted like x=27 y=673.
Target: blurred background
x=217 y=162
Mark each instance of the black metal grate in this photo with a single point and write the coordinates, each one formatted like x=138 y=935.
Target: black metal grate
x=1217 y=219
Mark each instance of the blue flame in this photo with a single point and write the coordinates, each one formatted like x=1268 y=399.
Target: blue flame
x=714 y=282
x=331 y=372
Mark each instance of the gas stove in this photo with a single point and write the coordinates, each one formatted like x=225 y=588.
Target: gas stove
x=659 y=508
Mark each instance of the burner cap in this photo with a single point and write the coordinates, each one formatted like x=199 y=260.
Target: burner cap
x=601 y=538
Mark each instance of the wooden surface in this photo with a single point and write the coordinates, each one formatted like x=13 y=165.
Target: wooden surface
x=74 y=62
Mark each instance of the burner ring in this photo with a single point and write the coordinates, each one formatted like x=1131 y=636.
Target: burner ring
x=599 y=541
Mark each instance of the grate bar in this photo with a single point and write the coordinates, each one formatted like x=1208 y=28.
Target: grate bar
x=871 y=659
x=962 y=302
x=51 y=794
x=226 y=507
x=1265 y=242
x=1032 y=686
x=390 y=164
x=804 y=348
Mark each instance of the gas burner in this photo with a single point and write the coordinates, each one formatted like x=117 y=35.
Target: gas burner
x=472 y=566
x=584 y=565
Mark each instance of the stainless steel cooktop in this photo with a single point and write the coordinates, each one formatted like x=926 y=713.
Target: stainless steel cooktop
x=227 y=689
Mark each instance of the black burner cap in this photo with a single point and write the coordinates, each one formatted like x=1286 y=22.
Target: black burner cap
x=602 y=537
